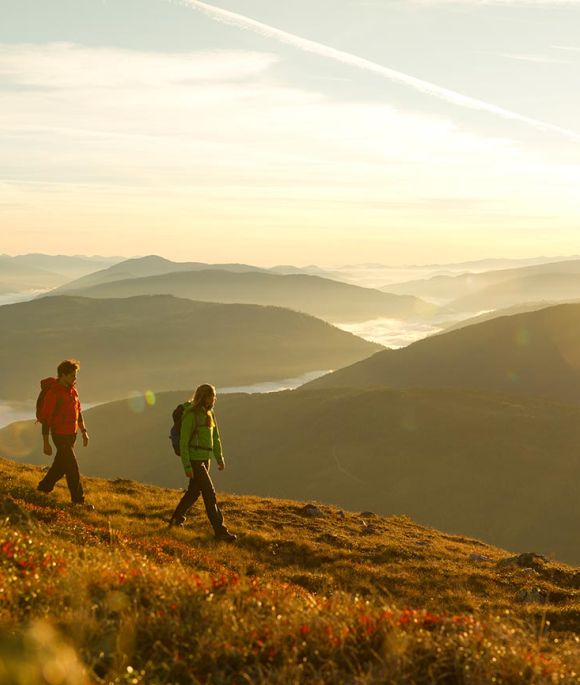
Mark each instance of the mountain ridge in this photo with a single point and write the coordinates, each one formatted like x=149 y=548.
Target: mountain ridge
x=532 y=353
x=162 y=342
x=331 y=300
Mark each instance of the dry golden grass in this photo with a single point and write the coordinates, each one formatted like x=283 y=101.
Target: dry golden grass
x=115 y=596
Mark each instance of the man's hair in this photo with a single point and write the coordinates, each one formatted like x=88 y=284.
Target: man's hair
x=201 y=394
x=67 y=366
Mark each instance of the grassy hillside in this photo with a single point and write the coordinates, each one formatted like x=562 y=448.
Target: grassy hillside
x=114 y=596
x=531 y=354
x=327 y=299
x=496 y=313
x=498 y=468
x=162 y=343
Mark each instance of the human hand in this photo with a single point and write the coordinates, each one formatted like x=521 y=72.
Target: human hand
x=85 y=439
x=189 y=473
x=47 y=449
x=221 y=467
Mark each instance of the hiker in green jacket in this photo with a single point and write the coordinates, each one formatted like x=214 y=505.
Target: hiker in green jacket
x=199 y=439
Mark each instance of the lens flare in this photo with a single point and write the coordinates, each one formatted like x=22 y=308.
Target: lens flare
x=523 y=337
x=150 y=398
x=136 y=402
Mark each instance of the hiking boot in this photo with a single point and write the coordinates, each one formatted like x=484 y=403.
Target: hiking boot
x=226 y=536
x=42 y=488
x=177 y=522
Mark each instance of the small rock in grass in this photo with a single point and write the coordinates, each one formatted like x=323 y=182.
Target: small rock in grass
x=311 y=510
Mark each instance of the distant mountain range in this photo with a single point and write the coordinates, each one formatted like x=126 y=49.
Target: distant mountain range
x=16 y=277
x=41 y=272
x=531 y=354
x=162 y=343
x=140 y=267
x=321 y=297
x=499 y=468
x=549 y=287
x=553 y=281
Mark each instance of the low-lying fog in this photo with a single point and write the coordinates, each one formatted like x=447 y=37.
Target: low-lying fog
x=392 y=332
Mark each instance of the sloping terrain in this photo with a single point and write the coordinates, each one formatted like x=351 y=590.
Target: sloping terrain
x=551 y=287
x=140 y=267
x=502 y=469
x=308 y=595
x=162 y=343
x=321 y=297
x=70 y=266
x=468 y=285
x=16 y=277
x=495 y=314
x=535 y=354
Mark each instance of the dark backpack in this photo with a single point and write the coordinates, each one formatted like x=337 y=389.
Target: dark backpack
x=175 y=432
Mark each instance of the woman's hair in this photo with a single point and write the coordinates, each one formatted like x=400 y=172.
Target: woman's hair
x=202 y=392
x=67 y=366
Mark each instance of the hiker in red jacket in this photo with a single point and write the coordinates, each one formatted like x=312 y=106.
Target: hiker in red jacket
x=60 y=415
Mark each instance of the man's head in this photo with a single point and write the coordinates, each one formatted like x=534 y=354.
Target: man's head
x=67 y=372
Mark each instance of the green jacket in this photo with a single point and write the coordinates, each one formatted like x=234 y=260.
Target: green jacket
x=199 y=438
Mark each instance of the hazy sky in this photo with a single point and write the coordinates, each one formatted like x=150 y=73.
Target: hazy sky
x=311 y=131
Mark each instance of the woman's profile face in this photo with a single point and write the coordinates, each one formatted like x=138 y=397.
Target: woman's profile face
x=210 y=400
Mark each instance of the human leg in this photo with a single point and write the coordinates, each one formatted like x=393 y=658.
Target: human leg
x=65 y=445
x=214 y=514
x=189 y=498
x=57 y=468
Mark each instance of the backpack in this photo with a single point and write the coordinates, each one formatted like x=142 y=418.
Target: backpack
x=45 y=384
x=175 y=432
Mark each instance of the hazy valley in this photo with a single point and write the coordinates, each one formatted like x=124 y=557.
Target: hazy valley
x=162 y=342
x=396 y=431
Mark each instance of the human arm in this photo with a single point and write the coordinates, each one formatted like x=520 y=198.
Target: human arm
x=83 y=429
x=217 y=446
x=48 y=410
x=187 y=424
x=46 y=446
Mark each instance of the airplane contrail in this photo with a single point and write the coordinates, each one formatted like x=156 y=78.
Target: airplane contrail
x=243 y=22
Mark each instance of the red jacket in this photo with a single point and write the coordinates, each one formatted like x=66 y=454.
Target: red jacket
x=61 y=408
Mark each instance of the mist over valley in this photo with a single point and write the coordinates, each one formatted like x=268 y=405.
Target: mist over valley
x=461 y=428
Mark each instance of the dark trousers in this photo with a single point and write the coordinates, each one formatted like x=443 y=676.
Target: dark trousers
x=200 y=484
x=64 y=464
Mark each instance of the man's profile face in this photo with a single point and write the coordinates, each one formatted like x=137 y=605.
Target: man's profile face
x=69 y=379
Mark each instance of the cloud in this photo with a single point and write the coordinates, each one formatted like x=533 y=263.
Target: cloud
x=255 y=155
x=420 y=85
x=66 y=65
x=536 y=59
x=514 y=3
